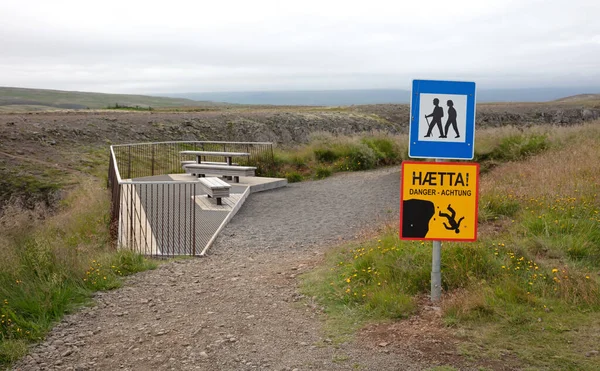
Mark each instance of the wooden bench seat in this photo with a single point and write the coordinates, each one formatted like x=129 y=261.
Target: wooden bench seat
x=236 y=171
x=214 y=188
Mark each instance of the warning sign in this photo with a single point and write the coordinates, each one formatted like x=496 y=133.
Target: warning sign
x=438 y=201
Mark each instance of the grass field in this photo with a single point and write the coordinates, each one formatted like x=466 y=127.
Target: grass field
x=527 y=292
x=28 y=99
x=49 y=269
x=327 y=154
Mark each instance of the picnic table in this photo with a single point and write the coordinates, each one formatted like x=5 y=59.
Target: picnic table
x=227 y=155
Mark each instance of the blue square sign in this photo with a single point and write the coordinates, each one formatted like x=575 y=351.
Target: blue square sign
x=442 y=120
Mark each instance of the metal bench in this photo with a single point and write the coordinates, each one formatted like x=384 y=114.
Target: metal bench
x=236 y=171
x=214 y=188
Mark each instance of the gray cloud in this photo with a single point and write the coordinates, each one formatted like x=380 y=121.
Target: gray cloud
x=181 y=46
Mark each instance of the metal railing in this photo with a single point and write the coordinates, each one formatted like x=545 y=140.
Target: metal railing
x=149 y=159
x=159 y=217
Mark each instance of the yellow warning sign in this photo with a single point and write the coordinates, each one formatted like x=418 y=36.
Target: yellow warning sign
x=438 y=201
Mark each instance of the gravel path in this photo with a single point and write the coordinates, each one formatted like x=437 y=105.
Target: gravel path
x=314 y=213
x=239 y=308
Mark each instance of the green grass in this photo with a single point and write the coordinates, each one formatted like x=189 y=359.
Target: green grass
x=527 y=289
x=491 y=285
x=327 y=154
x=383 y=277
x=493 y=207
x=370 y=151
x=123 y=107
x=293 y=177
x=515 y=146
x=386 y=151
x=32 y=185
x=13 y=350
x=322 y=172
x=36 y=182
x=51 y=269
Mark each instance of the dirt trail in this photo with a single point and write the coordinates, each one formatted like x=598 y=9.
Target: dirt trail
x=240 y=308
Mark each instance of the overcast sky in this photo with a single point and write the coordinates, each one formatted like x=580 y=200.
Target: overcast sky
x=131 y=46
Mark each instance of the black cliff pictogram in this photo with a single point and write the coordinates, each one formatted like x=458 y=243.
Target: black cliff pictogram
x=416 y=215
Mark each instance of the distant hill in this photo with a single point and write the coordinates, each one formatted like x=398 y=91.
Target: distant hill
x=580 y=98
x=375 y=96
x=22 y=99
x=39 y=98
x=304 y=97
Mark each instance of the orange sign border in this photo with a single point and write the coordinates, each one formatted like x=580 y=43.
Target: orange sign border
x=476 y=164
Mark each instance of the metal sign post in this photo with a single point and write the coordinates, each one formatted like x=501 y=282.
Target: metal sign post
x=436 y=268
x=436 y=271
x=439 y=201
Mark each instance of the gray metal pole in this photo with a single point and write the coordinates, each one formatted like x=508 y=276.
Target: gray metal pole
x=436 y=271
x=436 y=274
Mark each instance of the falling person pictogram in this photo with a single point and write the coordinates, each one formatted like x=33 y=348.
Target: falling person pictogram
x=454 y=225
x=437 y=114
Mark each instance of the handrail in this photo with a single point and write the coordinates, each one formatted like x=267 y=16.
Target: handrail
x=157 y=182
x=120 y=179
x=117 y=172
x=189 y=141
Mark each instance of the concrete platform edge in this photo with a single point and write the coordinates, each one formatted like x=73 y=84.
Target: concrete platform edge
x=279 y=183
x=226 y=221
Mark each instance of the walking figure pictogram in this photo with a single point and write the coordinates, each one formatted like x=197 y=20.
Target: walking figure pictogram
x=454 y=225
x=451 y=120
x=437 y=114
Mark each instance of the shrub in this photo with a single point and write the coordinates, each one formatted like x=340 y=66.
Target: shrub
x=293 y=177
x=326 y=155
x=359 y=157
x=494 y=206
x=518 y=146
x=300 y=157
x=385 y=150
x=322 y=172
